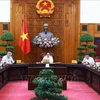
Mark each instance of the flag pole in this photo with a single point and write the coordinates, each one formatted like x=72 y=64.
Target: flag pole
x=22 y=23
x=24 y=42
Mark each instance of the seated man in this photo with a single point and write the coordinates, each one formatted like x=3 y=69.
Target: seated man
x=47 y=59
x=97 y=61
x=88 y=60
x=7 y=59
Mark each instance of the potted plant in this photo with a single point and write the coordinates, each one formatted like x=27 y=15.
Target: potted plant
x=48 y=87
x=6 y=37
x=86 y=39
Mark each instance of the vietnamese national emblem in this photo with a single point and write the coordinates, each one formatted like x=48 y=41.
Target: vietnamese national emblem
x=45 y=8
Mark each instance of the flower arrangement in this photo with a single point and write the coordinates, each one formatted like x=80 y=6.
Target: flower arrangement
x=45 y=42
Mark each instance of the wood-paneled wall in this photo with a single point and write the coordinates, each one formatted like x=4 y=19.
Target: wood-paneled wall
x=93 y=29
x=4 y=27
x=64 y=23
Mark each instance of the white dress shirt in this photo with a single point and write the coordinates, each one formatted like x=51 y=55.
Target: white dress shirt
x=7 y=60
x=50 y=58
x=86 y=61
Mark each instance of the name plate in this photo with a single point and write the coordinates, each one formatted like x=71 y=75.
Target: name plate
x=47 y=65
x=18 y=61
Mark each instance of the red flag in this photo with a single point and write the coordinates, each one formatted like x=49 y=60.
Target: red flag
x=24 y=41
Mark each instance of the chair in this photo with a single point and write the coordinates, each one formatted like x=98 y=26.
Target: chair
x=0 y=58
x=97 y=59
x=52 y=54
x=44 y=54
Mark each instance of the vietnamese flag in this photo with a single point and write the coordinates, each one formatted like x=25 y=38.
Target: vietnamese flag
x=24 y=41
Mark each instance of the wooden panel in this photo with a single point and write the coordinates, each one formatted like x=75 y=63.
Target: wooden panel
x=94 y=30
x=64 y=23
x=71 y=31
x=4 y=27
x=34 y=71
x=97 y=42
x=35 y=26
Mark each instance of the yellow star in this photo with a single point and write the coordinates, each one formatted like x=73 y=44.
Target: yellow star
x=24 y=36
x=45 y=3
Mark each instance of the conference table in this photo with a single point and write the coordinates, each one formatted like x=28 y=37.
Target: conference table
x=71 y=72
x=59 y=70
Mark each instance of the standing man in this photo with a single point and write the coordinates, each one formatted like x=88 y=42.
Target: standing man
x=7 y=59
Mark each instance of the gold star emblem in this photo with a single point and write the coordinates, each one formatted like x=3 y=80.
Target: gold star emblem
x=45 y=3
x=24 y=36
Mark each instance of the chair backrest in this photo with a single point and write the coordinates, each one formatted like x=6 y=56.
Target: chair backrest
x=0 y=58
x=44 y=54
x=97 y=59
x=52 y=54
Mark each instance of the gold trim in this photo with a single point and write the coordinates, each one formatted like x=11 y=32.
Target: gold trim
x=45 y=12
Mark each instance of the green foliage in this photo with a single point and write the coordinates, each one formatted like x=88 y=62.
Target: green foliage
x=80 y=56
x=3 y=44
x=10 y=48
x=3 y=53
x=86 y=37
x=7 y=36
x=35 y=99
x=81 y=47
x=92 y=46
x=92 y=53
x=48 y=86
x=44 y=73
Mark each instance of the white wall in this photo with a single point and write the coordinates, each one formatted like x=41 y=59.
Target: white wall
x=4 y=10
x=90 y=11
